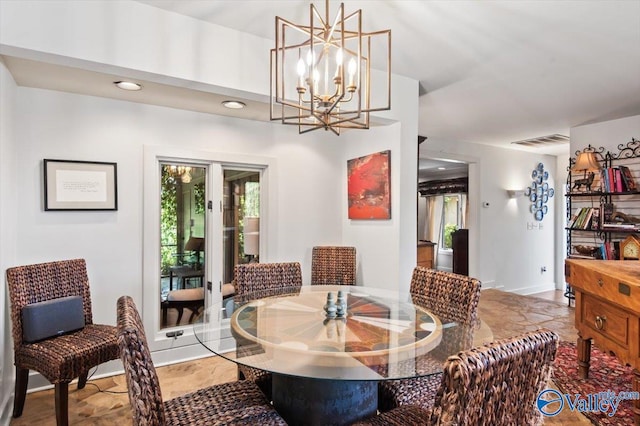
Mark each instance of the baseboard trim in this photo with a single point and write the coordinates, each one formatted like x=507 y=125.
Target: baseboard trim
x=526 y=291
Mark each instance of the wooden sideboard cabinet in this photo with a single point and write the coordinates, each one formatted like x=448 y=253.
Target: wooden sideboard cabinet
x=425 y=254
x=607 y=298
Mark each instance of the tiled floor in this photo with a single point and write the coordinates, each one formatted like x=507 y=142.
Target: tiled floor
x=503 y=315
x=508 y=314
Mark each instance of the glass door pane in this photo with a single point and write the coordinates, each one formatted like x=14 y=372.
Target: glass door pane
x=241 y=219
x=182 y=243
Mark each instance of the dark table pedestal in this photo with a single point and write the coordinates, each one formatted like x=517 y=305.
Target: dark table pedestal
x=304 y=401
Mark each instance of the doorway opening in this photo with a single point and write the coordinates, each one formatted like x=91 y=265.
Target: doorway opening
x=443 y=209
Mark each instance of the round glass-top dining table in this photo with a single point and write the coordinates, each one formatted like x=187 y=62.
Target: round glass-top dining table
x=326 y=359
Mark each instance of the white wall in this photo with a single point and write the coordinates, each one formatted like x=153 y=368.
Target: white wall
x=608 y=134
x=389 y=245
x=59 y=125
x=7 y=231
x=507 y=246
x=561 y=218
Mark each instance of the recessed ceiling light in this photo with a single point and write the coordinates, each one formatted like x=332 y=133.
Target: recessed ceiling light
x=128 y=85
x=441 y=168
x=234 y=104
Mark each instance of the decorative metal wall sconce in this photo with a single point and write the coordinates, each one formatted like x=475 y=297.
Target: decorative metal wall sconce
x=515 y=193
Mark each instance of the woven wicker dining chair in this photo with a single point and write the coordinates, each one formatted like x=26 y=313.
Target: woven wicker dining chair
x=258 y=280
x=453 y=298
x=492 y=385
x=227 y=403
x=333 y=265
x=63 y=358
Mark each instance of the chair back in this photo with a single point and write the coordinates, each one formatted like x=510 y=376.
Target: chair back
x=454 y=299
x=451 y=296
x=45 y=281
x=333 y=265
x=496 y=384
x=266 y=279
x=142 y=380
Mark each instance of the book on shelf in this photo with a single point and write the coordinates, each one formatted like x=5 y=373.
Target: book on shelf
x=606 y=215
x=607 y=251
x=579 y=218
x=595 y=218
x=611 y=178
x=574 y=219
x=581 y=256
x=604 y=185
x=586 y=222
x=627 y=178
x=617 y=225
x=603 y=252
x=586 y=218
x=618 y=179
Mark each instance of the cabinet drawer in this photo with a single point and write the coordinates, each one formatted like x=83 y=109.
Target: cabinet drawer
x=611 y=287
x=609 y=321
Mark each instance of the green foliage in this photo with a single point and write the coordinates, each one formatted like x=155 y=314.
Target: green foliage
x=198 y=191
x=449 y=229
x=168 y=220
x=250 y=203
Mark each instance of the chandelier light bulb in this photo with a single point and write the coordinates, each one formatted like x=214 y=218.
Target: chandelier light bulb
x=338 y=64
x=352 y=71
x=301 y=69
x=316 y=79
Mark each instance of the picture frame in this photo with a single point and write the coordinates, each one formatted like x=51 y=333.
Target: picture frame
x=369 y=186
x=80 y=185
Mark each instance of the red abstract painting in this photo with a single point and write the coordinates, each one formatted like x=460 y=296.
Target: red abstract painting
x=368 y=186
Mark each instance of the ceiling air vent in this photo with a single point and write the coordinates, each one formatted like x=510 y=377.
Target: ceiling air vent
x=544 y=141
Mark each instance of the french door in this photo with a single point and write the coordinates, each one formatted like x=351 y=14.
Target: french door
x=201 y=217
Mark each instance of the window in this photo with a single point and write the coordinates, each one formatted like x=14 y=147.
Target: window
x=451 y=219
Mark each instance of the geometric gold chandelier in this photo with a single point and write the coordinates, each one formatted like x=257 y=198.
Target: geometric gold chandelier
x=321 y=73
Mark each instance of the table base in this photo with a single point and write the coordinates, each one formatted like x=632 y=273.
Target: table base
x=305 y=401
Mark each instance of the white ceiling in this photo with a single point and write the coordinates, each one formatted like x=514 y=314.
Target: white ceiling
x=490 y=72
x=434 y=168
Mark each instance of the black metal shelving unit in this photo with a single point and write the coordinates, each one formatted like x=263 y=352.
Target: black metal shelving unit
x=624 y=201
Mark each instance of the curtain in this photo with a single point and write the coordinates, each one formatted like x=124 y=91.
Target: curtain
x=433 y=226
x=422 y=217
x=464 y=209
